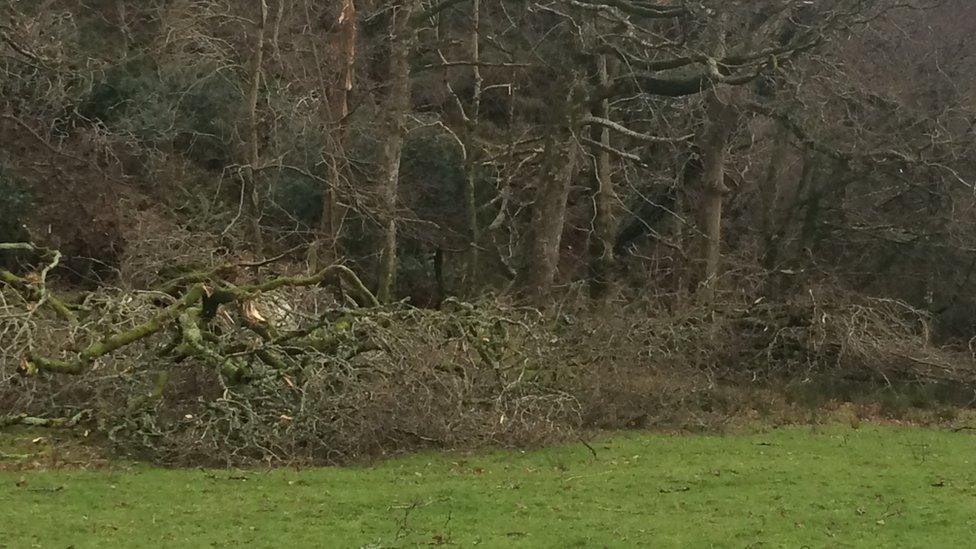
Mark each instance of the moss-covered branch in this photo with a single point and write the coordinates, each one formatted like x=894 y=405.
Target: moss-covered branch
x=194 y=344
x=24 y=419
x=192 y=312
x=364 y=296
x=37 y=291
x=114 y=342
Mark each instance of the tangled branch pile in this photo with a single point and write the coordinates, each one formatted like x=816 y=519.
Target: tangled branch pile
x=224 y=366
x=280 y=369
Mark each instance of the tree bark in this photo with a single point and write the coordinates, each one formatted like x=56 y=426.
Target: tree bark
x=251 y=194
x=769 y=194
x=470 y=190
x=329 y=226
x=393 y=128
x=604 y=227
x=549 y=213
x=714 y=149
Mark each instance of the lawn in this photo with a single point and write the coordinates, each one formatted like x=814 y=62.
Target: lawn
x=802 y=486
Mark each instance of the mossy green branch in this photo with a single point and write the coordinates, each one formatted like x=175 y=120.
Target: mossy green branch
x=194 y=342
x=77 y=364
x=364 y=296
x=37 y=290
x=30 y=421
x=190 y=313
x=222 y=272
x=145 y=329
x=32 y=293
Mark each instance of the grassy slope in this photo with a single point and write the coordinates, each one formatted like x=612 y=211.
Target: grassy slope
x=835 y=487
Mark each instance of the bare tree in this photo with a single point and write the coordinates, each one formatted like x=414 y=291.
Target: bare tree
x=604 y=196
x=714 y=149
x=393 y=126
x=337 y=131
x=471 y=157
x=251 y=193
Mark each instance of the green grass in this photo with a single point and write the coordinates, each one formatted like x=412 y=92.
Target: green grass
x=817 y=487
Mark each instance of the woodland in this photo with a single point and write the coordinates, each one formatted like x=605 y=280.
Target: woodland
x=236 y=231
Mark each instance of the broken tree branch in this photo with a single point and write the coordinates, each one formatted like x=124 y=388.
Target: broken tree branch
x=191 y=312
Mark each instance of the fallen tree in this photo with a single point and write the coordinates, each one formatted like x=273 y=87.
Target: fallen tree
x=192 y=313
x=224 y=365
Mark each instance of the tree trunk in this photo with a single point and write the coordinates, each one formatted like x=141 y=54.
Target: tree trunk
x=714 y=148
x=251 y=195
x=329 y=226
x=470 y=190
x=549 y=213
x=393 y=128
x=769 y=194
x=601 y=243
x=824 y=202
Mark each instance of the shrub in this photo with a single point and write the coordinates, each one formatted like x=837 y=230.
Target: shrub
x=297 y=198
x=194 y=110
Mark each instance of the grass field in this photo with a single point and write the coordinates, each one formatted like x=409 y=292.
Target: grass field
x=803 y=486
